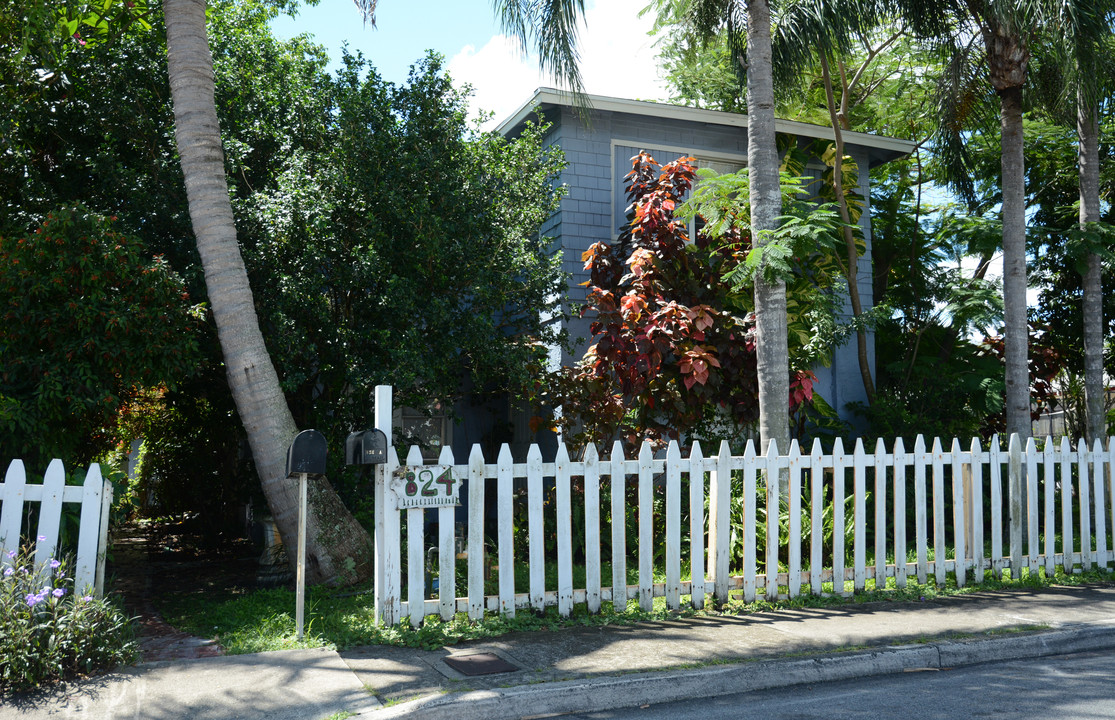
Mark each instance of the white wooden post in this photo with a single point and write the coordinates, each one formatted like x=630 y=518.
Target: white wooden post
x=646 y=528
x=447 y=550
x=938 y=513
x=1017 y=503
x=11 y=515
x=504 y=510
x=387 y=535
x=102 y=542
x=748 y=525
x=773 y=476
x=416 y=553
x=959 y=514
x=838 y=517
x=696 y=527
x=1048 y=470
x=673 y=526
x=977 y=510
x=592 y=529
x=816 y=513
x=618 y=473
x=921 y=529
x=720 y=512
x=899 y=514
x=859 y=517
x=1032 y=509
x=50 y=515
x=881 y=516
x=995 y=454
x=794 y=506
x=476 y=549
x=1067 y=542
x=300 y=580
x=85 y=572
x=1085 y=504
x=564 y=511
x=536 y=559
x=1098 y=484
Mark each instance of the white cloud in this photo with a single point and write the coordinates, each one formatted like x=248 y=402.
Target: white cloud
x=617 y=59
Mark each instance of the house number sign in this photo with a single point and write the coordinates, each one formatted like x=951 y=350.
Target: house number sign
x=423 y=486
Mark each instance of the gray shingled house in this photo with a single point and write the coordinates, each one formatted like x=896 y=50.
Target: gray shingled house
x=599 y=156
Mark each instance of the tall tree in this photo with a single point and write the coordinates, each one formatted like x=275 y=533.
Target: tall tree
x=747 y=27
x=1007 y=31
x=338 y=548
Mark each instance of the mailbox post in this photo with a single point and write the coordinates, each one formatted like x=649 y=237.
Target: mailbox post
x=305 y=457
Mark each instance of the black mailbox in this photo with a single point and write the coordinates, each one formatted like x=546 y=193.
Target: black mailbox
x=306 y=454
x=366 y=448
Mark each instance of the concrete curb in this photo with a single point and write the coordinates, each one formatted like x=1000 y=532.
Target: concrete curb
x=620 y=691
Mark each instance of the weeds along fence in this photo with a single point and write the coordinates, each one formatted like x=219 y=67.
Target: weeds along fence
x=611 y=529
x=50 y=507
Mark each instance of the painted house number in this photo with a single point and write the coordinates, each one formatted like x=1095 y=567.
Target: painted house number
x=422 y=486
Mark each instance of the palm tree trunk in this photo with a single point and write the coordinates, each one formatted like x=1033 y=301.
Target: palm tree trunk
x=345 y=555
x=1094 y=387
x=1016 y=335
x=771 y=343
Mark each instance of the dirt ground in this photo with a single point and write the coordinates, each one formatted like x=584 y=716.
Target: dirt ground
x=149 y=560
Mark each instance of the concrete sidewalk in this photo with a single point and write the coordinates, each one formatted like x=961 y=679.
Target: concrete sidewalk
x=601 y=668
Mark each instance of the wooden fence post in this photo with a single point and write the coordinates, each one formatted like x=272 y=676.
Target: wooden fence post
x=1016 y=504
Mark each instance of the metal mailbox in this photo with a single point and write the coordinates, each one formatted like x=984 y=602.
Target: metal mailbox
x=366 y=448
x=307 y=454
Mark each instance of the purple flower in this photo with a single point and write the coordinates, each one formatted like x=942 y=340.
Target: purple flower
x=59 y=592
x=8 y=572
x=87 y=598
x=54 y=564
x=42 y=538
x=32 y=599
x=11 y=554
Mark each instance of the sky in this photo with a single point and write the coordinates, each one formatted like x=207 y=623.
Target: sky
x=617 y=56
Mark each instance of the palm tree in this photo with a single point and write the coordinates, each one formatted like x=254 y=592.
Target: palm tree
x=1007 y=30
x=747 y=27
x=345 y=555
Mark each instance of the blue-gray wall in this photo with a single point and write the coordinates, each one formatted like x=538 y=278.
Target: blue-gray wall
x=599 y=158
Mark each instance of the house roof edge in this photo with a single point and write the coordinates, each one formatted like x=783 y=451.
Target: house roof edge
x=889 y=148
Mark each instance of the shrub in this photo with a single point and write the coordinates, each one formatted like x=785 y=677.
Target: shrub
x=48 y=632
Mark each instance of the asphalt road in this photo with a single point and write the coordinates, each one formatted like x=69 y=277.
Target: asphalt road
x=1080 y=686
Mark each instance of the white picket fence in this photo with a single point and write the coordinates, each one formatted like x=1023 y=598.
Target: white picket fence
x=1019 y=514
x=95 y=499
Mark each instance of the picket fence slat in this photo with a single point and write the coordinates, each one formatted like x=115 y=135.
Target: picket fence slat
x=619 y=531
x=955 y=496
x=880 y=525
x=978 y=564
x=1085 y=505
x=722 y=512
x=748 y=523
x=447 y=552
x=536 y=561
x=794 y=504
x=50 y=515
x=816 y=514
x=1101 y=525
x=900 y=460
x=1049 y=519
x=416 y=550
x=504 y=514
x=697 y=527
x=476 y=550
x=673 y=526
x=838 y=517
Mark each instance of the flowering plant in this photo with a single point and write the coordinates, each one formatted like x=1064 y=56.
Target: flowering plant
x=49 y=632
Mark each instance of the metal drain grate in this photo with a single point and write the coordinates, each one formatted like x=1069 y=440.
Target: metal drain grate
x=479 y=664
